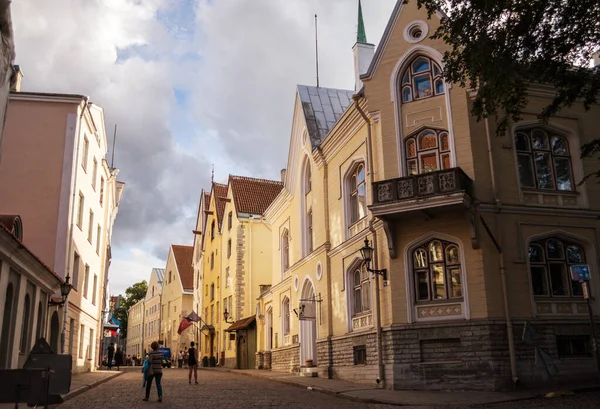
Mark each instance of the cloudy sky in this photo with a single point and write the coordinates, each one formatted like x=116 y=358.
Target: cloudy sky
x=190 y=83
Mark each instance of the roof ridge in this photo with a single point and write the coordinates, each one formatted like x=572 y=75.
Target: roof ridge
x=334 y=89
x=256 y=179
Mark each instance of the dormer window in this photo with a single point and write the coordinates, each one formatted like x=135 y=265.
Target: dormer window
x=422 y=79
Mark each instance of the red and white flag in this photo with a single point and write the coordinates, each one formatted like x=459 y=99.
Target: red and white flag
x=185 y=323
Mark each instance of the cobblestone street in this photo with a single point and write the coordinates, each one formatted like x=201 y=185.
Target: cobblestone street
x=228 y=390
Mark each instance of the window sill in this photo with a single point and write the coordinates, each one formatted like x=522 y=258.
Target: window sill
x=550 y=192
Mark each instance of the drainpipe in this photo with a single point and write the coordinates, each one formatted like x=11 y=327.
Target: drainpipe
x=328 y=274
x=509 y=324
x=69 y=238
x=380 y=365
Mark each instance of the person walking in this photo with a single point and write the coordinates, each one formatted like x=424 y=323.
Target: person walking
x=154 y=371
x=180 y=360
x=118 y=358
x=193 y=362
x=111 y=354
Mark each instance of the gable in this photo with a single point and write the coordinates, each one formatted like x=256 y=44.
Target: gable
x=251 y=195
x=183 y=262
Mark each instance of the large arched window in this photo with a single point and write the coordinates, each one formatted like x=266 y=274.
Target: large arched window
x=285 y=317
x=357 y=193
x=437 y=271
x=422 y=79
x=307 y=247
x=543 y=160
x=285 y=251
x=427 y=151
x=549 y=263
x=361 y=290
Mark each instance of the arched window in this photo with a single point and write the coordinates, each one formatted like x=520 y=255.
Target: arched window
x=307 y=247
x=285 y=251
x=437 y=271
x=285 y=316
x=212 y=230
x=422 y=79
x=309 y=231
x=543 y=160
x=549 y=263
x=307 y=178
x=427 y=151
x=357 y=194
x=23 y=346
x=361 y=290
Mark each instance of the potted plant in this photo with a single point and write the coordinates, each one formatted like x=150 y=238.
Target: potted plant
x=309 y=363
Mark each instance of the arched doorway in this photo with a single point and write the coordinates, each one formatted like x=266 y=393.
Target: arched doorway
x=308 y=324
x=269 y=329
x=54 y=331
x=6 y=335
x=242 y=353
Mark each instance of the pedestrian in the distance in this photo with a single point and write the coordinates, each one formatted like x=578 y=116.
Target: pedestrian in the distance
x=180 y=360
x=193 y=362
x=111 y=354
x=118 y=358
x=154 y=371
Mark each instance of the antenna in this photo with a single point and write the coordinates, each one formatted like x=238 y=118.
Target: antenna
x=212 y=176
x=317 y=49
x=112 y=162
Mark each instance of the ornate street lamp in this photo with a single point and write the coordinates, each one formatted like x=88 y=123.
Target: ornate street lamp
x=226 y=316
x=65 y=289
x=367 y=255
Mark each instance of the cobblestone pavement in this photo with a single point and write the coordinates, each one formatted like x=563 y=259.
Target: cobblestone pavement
x=227 y=390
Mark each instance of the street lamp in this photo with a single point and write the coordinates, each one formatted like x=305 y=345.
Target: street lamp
x=226 y=316
x=367 y=255
x=65 y=289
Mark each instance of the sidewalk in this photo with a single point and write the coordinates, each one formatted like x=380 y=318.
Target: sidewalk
x=371 y=394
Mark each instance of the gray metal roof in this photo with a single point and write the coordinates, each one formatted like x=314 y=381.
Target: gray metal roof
x=322 y=108
x=160 y=275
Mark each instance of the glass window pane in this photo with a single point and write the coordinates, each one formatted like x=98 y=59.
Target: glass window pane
x=354 y=208
x=525 y=171
x=575 y=255
x=435 y=251
x=543 y=171
x=439 y=86
x=357 y=301
x=559 y=146
x=455 y=282
x=422 y=86
x=452 y=256
x=535 y=253
x=362 y=201
x=421 y=64
x=427 y=140
x=406 y=94
x=539 y=139
x=356 y=278
x=406 y=79
x=444 y=143
x=438 y=282
x=366 y=294
x=562 y=167
x=429 y=163
x=539 y=280
x=361 y=174
x=411 y=149
x=353 y=183
x=420 y=258
x=436 y=70
x=446 y=161
x=576 y=288
x=554 y=249
x=521 y=141
x=412 y=167
x=422 y=285
x=558 y=279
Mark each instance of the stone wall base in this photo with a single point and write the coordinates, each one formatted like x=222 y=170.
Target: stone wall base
x=286 y=359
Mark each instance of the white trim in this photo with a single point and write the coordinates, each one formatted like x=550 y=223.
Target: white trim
x=296 y=282
x=283 y=270
x=396 y=99
x=305 y=165
x=319 y=271
x=346 y=208
x=409 y=277
x=283 y=317
x=356 y=262
x=268 y=323
x=416 y=23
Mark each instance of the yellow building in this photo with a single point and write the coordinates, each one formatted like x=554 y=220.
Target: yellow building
x=135 y=325
x=237 y=253
x=477 y=233
x=152 y=306
x=177 y=299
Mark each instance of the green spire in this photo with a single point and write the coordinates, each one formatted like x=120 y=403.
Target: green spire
x=361 y=35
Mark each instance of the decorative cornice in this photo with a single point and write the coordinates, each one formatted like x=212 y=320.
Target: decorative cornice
x=539 y=210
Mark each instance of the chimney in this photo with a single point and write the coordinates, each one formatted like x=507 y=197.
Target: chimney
x=283 y=175
x=363 y=51
x=15 y=84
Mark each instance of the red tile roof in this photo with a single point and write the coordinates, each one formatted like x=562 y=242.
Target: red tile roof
x=252 y=195
x=220 y=192
x=183 y=258
x=241 y=324
x=206 y=196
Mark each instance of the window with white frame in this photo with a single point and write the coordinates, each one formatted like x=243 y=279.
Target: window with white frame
x=309 y=231
x=427 y=151
x=361 y=290
x=285 y=251
x=285 y=316
x=357 y=193
x=550 y=260
x=437 y=271
x=543 y=160
x=84 y=154
x=422 y=79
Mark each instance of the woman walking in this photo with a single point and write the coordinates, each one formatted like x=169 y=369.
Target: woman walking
x=154 y=371
x=193 y=362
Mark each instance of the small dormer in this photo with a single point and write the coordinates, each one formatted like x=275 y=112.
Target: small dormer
x=13 y=224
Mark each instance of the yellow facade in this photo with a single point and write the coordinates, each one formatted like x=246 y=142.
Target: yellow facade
x=152 y=307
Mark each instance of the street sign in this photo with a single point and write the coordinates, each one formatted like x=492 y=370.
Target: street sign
x=580 y=272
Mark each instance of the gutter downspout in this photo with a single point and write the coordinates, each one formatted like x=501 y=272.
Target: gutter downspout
x=380 y=365
x=498 y=245
x=69 y=236
x=328 y=273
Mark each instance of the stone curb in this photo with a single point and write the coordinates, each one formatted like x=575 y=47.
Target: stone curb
x=343 y=395
x=84 y=388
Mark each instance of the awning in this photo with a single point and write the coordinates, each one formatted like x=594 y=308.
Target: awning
x=241 y=324
x=109 y=325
